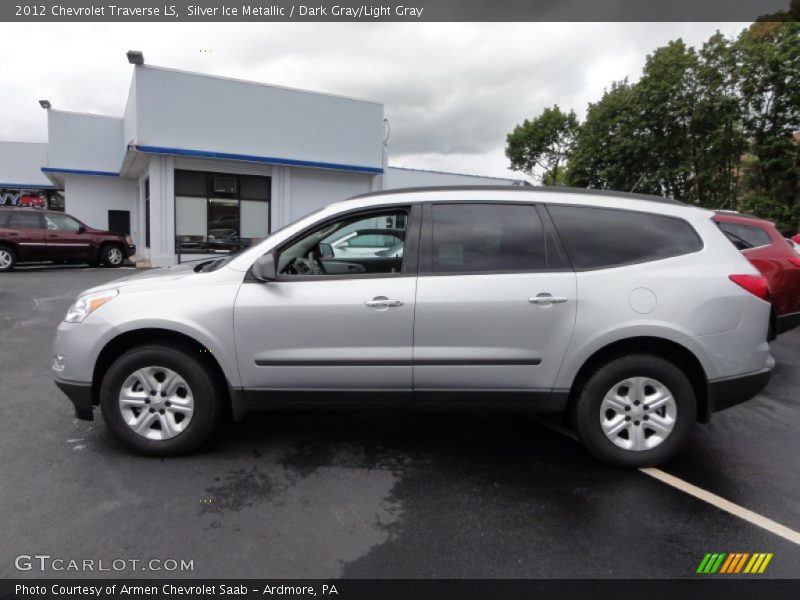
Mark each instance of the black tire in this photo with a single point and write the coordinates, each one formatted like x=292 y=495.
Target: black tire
x=586 y=416
x=10 y=258
x=112 y=255
x=206 y=390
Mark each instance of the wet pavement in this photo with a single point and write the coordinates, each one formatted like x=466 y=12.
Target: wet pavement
x=373 y=494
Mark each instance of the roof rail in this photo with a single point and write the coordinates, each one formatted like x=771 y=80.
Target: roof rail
x=518 y=189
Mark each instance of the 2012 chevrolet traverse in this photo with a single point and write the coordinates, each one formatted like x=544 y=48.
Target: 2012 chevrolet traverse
x=634 y=316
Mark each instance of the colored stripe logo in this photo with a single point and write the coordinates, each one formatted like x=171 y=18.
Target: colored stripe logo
x=731 y=563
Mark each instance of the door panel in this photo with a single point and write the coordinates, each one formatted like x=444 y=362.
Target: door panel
x=482 y=332
x=321 y=335
x=64 y=238
x=490 y=313
x=26 y=230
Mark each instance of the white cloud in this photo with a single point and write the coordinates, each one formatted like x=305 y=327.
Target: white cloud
x=452 y=91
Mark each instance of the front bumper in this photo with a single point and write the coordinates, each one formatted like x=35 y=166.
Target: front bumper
x=80 y=394
x=130 y=250
x=724 y=393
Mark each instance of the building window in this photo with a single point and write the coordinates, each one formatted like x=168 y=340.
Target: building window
x=33 y=198
x=210 y=216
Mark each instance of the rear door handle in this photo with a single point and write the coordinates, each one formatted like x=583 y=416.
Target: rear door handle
x=382 y=302
x=545 y=298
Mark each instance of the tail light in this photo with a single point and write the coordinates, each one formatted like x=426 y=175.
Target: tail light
x=755 y=284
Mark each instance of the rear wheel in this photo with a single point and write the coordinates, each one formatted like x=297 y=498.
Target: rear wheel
x=112 y=256
x=8 y=258
x=160 y=400
x=635 y=411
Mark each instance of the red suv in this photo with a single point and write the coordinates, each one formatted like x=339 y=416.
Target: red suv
x=29 y=234
x=769 y=252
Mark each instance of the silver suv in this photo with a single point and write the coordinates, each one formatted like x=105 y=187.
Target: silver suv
x=633 y=316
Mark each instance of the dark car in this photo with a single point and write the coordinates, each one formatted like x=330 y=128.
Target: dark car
x=29 y=234
x=769 y=252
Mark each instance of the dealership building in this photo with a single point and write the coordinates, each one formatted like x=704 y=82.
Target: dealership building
x=196 y=158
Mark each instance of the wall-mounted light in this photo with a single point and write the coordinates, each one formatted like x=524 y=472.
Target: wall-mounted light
x=45 y=104
x=135 y=57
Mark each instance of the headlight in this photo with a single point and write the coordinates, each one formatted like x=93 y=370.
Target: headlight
x=129 y=240
x=86 y=305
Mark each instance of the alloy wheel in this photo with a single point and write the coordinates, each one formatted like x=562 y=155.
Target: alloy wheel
x=115 y=256
x=638 y=413
x=156 y=403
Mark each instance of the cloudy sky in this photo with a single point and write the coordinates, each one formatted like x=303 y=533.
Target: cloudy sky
x=451 y=91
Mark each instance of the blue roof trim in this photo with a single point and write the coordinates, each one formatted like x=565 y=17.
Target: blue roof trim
x=79 y=172
x=260 y=159
x=30 y=186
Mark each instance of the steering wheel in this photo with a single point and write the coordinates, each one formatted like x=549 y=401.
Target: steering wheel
x=316 y=263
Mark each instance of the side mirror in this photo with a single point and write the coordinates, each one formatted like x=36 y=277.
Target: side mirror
x=264 y=268
x=81 y=228
x=326 y=250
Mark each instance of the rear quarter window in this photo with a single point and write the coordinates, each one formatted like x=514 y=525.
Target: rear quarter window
x=24 y=220
x=745 y=237
x=596 y=238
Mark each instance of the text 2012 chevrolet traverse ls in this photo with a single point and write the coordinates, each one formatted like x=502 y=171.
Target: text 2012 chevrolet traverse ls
x=636 y=317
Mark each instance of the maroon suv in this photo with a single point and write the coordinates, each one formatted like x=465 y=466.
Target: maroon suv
x=30 y=234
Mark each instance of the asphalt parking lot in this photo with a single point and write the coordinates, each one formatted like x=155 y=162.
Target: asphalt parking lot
x=374 y=494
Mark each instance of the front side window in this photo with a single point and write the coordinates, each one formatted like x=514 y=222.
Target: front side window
x=596 y=238
x=62 y=223
x=354 y=245
x=481 y=238
x=744 y=237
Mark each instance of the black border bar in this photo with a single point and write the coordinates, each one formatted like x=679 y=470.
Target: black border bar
x=708 y=587
x=387 y=10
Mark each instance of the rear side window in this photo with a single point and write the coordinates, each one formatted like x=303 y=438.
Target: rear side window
x=745 y=236
x=481 y=238
x=25 y=220
x=596 y=238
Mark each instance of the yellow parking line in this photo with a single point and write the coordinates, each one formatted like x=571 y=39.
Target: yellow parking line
x=726 y=505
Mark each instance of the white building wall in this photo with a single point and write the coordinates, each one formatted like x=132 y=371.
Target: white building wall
x=310 y=189
x=21 y=164
x=190 y=111
x=129 y=119
x=89 y=198
x=396 y=177
x=162 y=211
x=84 y=142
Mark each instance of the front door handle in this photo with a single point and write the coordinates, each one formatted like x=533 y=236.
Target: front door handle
x=545 y=298
x=382 y=302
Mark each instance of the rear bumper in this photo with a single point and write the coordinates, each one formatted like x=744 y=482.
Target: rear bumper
x=784 y=323
x=80 y=394
x=724 y=393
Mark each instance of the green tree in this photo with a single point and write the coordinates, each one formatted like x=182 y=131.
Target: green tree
x=769 y=85
x=607 y=152
x=541 y=147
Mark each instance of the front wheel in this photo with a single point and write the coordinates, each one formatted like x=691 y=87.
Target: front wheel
x=635 y=411
x=160 y=400
x=112 y=256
